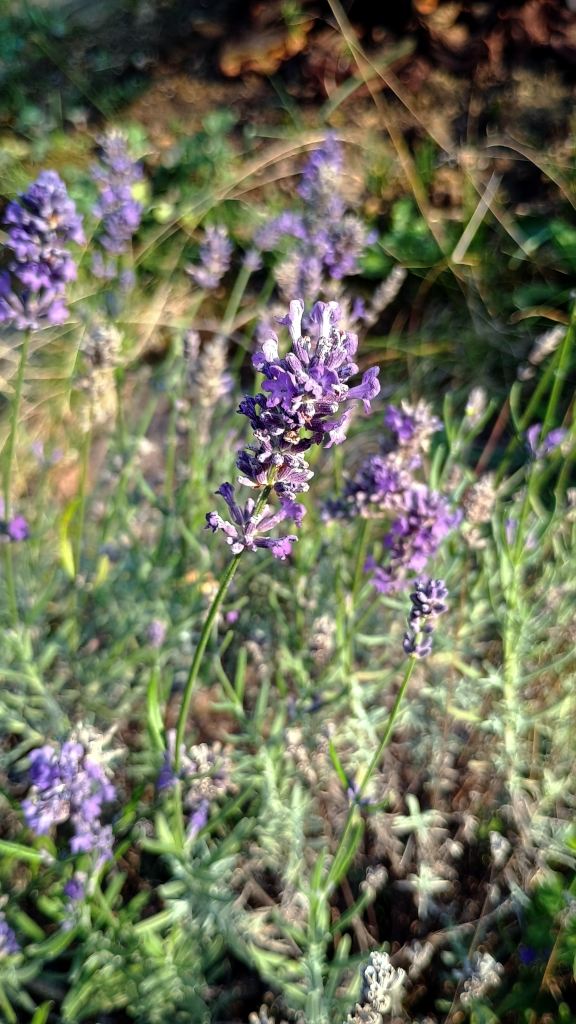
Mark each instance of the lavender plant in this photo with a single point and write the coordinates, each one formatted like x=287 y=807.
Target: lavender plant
x=118 y=212
x=300 y=406
x=385 y=488
x=328 y=238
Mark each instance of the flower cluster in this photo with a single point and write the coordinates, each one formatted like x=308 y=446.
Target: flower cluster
x=205 y=772
x=36 y=264
x=8 y=941
x=540 y=446
x=385 y=487
x=13 y=529
x=215 y=255
x=382 y=990
x=328 y=239
x=305 y=401
x=119 y=213
x=428 y=602
x=69 y=786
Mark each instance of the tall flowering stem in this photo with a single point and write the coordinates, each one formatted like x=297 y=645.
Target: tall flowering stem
x=300 y=406
x=17 y=402
x=197 y=659
x=428 y=602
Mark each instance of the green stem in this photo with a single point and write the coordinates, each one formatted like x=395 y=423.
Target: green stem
x=8 y=467
x=85 y=463
x=197 y=659
x=353 y=811
x=560 y=374
x=389 y=727
x=360 y=560
x=556 y=371
x=5 y=1006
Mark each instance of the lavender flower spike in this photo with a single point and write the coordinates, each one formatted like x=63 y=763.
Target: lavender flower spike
x=36 y=263
x=119 y=213
x=541 y=447
x=428 y=602
x=245 y=532
x=8 y=942
x=215 y=255
x=305 y=400
x=69 y=786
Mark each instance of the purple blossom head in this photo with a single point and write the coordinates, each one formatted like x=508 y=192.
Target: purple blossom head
x=423 y=518
x=198 y=819
x=37 y=264
x=306 y=400
x=540 y=446
x=8 y=943
x=17 y=529
x=247 y=527
x=428 y=602
x=156 y=633
x=117 y=210
x=69 y=786
x=75 y=887
x=215 y=255
x=320 y=185
x=322 y=243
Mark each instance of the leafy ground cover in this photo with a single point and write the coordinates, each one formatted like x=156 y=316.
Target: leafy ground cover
x=288 y=513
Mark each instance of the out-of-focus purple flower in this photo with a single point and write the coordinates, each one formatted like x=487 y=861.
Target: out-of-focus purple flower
x=44 y=458
x=17 y=528
x=198 y=819
x=69 y=786
x=385 y=488
x=305 y=400
x=8 y=941
x=286 y=224
x=232 y=616
x=428 y=602
x=75 y=887
x=252 y=261
x=119 y=213
x=205 y=776
x=542 y=446
x=215 y=255
x=325 y=239
x=320 y=185
x=37 y=265
x=423 y=521
x=156 y=633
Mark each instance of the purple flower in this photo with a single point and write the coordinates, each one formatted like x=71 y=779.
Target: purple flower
x=156 y=633
x=252 y=261
x=320 y=184
x=325 y=240
x=245 y=532
x=37 y=264
x=198 y=819
x=205 y=776
x=424 y=518
x=119 y=213
x=17 y=529
x=428 y=602
x=306 y=400
x=542 y=446
x=8 y=942
x=215 y=255
x=385 y=487
x=69 y=786
x=75 y=887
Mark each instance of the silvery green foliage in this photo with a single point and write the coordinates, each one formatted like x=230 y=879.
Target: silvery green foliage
x=485 y=976
x=382 y=991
